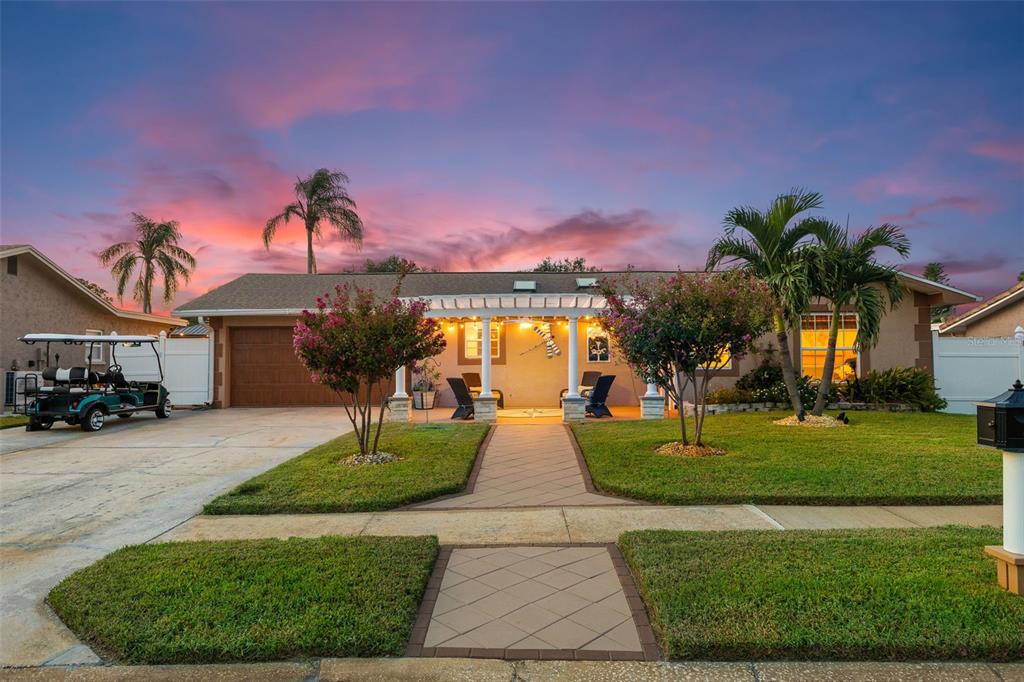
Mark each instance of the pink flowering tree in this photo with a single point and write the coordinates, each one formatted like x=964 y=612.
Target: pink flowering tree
x=682 y=331
x=354 y=342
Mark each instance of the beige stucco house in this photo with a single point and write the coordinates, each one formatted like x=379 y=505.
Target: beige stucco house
x=37 y=295
x=254 y=364
x=996 y=317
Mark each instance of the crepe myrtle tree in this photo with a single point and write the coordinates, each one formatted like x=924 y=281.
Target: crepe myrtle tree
x=684 y=330
x=354 y=342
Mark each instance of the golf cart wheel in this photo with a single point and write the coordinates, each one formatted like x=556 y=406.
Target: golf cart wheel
x=39 y=423
x=94 y=419
x=125 y=415
x=164 y=411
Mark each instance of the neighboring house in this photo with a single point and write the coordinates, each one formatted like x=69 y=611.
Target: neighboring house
x=494 y=317
x=37 y=295
x=996 y=317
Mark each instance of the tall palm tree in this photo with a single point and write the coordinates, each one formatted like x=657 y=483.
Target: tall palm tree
x=156 y=251
x=775 y=249
x=844 y=272
x=320 y=197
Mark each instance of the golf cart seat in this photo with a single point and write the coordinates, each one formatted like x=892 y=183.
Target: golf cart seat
x=68 y=380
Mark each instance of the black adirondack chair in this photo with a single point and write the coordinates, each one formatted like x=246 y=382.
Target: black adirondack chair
x=474 y=383
x=595 y=401
x=587 y=381
x=463 y=397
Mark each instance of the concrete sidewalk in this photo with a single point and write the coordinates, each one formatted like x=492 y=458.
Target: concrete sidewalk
x=574 y=524
x=460 y=669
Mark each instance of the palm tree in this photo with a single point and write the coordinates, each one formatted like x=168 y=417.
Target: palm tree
x=320 y=197
x=156 y=250
x=844 y=272
x=936 y=272
x=775 y=249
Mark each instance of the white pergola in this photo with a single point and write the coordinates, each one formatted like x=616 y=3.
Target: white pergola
x=488 y=307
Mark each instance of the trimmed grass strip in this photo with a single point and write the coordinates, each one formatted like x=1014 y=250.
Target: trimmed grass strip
x=880 y=458
x=249 y=600
x=908 y=594
x=13 y=421
x=436 y=460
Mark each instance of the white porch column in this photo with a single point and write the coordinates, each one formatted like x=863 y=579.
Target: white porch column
x=485 y=358
x=573 y=405
x=400 y=384
x=574 y=359
x=652 y=403
x=400 y=404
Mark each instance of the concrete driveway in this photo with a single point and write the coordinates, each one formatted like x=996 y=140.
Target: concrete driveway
x=67 y=498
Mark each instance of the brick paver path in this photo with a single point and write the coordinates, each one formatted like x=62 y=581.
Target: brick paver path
x=527 y=466
x=532 y=598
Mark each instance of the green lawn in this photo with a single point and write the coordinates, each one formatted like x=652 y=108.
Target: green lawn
x=437 y=460
x=881 y=458
x=867 y=594
x=249 y=600
x=13 y=421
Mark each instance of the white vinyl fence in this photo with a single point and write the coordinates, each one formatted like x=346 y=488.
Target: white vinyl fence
x=968 y=369
x=187 y=364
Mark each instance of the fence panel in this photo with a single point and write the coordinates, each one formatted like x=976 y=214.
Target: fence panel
x=968 y=369
x=186 y=364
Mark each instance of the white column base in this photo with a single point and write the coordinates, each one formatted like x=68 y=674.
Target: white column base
x=573 y=409
x=401 y=409
x=652 y=407
x=485 y=409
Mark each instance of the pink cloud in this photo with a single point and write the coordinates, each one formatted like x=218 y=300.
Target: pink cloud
x=1001 y=150
x=970 y=205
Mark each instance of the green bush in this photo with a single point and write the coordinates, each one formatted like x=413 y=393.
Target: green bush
x=908 y=385
x=764 y=376
x=729 y=395
x=777 y=392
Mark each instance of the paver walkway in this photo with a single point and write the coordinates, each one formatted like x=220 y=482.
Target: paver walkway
x=528 y=466
x=518 y=601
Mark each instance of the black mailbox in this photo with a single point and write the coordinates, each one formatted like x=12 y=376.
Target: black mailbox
x=1001 y=420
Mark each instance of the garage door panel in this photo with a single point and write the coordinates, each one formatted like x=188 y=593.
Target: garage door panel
x=266 y=373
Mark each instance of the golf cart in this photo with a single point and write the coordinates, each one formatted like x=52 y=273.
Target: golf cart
x=79 y=395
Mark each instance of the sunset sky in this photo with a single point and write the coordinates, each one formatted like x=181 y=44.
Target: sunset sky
x=488 y=136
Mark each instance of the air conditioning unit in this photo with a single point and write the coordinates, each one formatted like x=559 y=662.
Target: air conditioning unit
x=14 y=385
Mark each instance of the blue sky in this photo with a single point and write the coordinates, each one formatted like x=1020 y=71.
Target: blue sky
x=487 y=136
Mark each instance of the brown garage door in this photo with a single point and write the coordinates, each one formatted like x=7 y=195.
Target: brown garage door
x=266 y=373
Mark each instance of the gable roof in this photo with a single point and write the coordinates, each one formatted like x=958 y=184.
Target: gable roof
x=997 y=302
x=27 y=249
x=280 y=294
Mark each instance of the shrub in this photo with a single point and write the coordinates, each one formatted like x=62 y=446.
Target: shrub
x=764 y=376
x=778 y=393
x=729 y=395
x=908 y=385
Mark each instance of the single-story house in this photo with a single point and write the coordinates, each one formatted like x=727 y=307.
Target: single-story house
x=251 y=319
x=40 y=296
x=995 y=317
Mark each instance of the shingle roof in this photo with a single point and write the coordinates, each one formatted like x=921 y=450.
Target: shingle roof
x=987 y=307
x=298 y=291
x=291 y=292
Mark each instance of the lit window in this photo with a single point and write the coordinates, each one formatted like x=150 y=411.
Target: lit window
x=724 y=361
x=94 y=352
x=474 y=336
x=598 y=346
x=814 y=345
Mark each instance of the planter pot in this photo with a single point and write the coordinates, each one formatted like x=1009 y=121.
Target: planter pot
x=423 y=400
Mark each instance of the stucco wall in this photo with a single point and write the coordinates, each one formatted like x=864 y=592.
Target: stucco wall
x=1001 y=323
x=39 y=300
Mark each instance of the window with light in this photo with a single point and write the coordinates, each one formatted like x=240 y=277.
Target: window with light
x=814 y=345
x=474 y=338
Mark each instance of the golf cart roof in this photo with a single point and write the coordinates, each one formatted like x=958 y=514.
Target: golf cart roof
x=86 y=338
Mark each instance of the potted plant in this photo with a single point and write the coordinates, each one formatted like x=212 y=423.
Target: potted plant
x=423 y=386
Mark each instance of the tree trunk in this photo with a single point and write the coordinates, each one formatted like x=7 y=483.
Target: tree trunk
x=830 y=364
x=310 y=259
x=788 y=373
x=147 y=289
x=682 y=410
